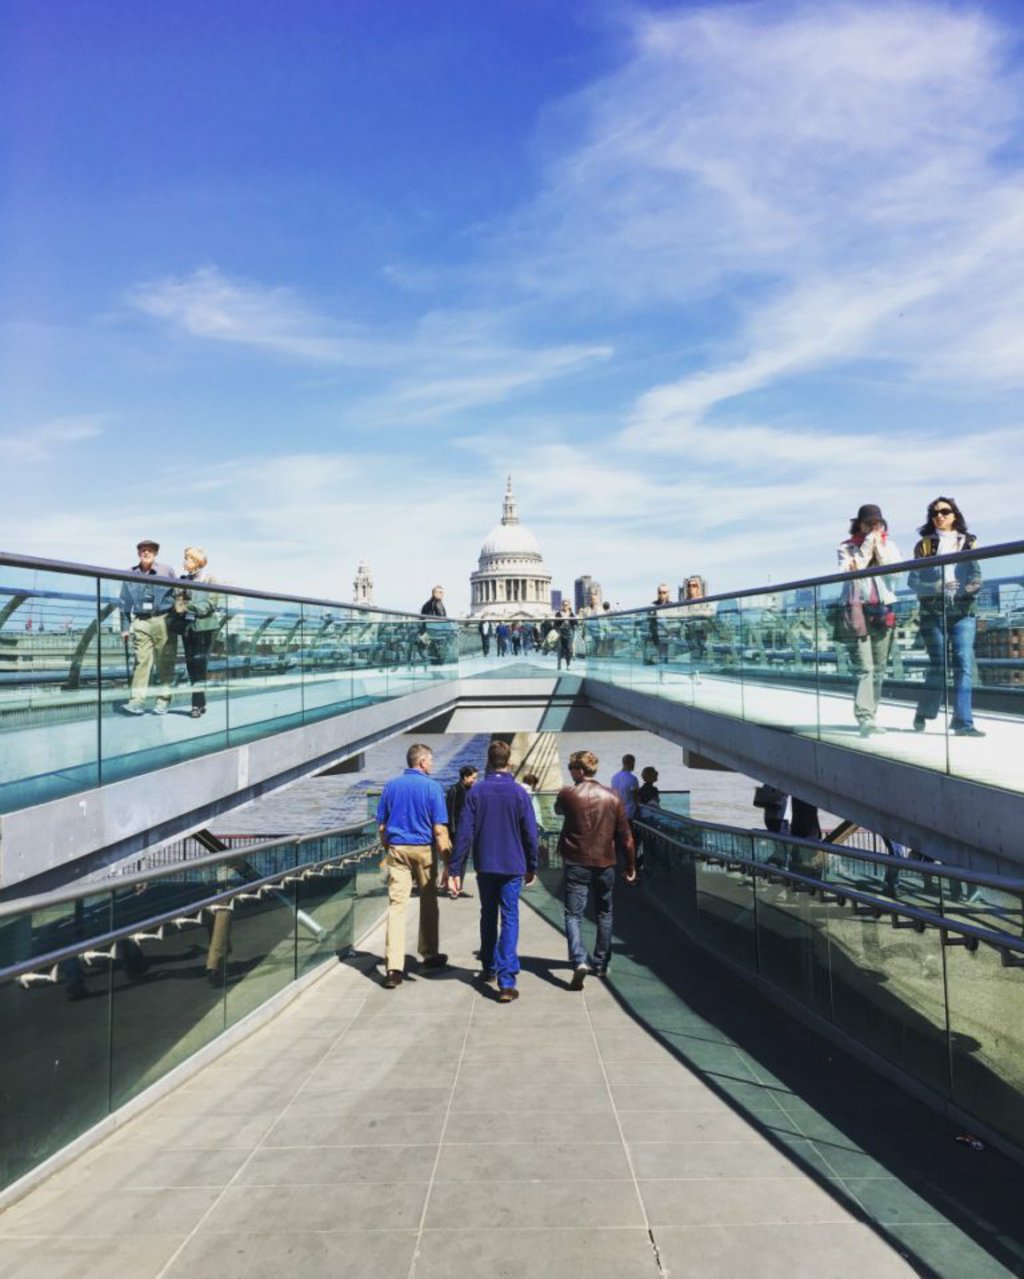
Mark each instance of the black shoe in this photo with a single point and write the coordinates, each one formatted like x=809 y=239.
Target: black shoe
x=435 y=961
x=489 y=976
x=599 y=972
x=507 y=994
x=393 y=978
x=969 y=732
x=919 y=723
x=579 y=977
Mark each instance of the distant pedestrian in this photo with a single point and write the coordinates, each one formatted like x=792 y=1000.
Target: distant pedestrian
x=565 y=626
x=625 y=784
x=413 y=823
x=657 y=628
x=499 y=828
x=501 y=635
x=948 y=596
x=455 y=800
x=485 y=638
x=594 y=822
x=432 y=636
x=648 y=792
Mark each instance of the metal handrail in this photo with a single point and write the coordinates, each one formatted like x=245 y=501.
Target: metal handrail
x=60 y=896
x=182 y=912
x=1003 y=942
x=978 y=553
x=126 y=575
x=939 y=870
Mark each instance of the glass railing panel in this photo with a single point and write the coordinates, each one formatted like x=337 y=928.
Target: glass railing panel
x=371 y=893
x=981 y=629
x=55 y=1064
x=986 y=1036
x=56 y=645
x=324 y=658
x=168 y=998
x=326 y=917
x=725 y=903
x=888 y=989
x=261 y=953
x=779 y=660
x=262 y=673
x=792 y=939
x=44 y=929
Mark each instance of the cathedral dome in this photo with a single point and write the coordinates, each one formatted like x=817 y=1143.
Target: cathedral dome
x=510 y=539
x=511 y=580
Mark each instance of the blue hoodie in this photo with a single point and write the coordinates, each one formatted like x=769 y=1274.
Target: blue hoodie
x=498 y=825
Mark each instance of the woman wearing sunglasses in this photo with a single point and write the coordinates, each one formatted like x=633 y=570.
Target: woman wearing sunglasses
x=947 y=595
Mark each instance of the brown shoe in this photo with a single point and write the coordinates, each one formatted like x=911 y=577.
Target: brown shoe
x=579 y=977
x=393 y=978
x=507 y=994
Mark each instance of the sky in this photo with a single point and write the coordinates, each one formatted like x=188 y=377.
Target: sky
x=302 y=282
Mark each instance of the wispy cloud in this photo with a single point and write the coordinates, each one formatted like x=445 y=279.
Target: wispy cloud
x=829 y=184
x=447 y=362
x=46 y=440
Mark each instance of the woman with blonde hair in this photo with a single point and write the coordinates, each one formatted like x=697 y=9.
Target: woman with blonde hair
x=200 y=611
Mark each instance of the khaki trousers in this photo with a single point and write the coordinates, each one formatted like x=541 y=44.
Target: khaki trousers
x=405 y=863
x=154 y=646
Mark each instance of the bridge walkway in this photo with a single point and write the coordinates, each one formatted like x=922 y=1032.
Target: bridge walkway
x=669 y=1121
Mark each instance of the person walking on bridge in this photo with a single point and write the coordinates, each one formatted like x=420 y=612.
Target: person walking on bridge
x=593 y=822
x=868 y=616
x=499 y=828
x=412 y=819
x=146 y=607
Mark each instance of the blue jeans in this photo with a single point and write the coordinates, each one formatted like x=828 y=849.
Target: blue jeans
x=499 y=948
x=958 y=630
x=578 y=882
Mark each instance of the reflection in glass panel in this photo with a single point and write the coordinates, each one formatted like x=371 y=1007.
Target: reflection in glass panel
x=888 y=990
x=792 y=941
x=986 y=1024
x=779 y=660
x=326 y=915
x=261 y=955
x=264 y=677
x=55 y=1066
x=53 y=652
x=168 y=999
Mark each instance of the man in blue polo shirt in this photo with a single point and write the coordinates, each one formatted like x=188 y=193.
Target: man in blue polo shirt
x=498 y=826
x=412 y=818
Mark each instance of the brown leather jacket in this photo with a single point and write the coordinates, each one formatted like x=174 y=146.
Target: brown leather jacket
x=594 y=821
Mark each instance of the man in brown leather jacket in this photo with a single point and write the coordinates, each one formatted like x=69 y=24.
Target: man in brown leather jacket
x=594 y=822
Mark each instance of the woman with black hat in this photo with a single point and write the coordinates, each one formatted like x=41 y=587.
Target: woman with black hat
x=868 y=617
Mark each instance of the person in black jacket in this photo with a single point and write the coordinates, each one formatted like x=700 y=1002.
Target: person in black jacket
x=429 y=638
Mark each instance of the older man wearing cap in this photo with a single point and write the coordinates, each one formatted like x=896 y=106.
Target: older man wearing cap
x=145 y=608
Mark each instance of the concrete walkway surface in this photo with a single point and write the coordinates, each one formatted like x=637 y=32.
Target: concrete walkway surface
x=429 y=1132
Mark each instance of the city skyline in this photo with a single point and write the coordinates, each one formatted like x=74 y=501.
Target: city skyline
x=302 y=284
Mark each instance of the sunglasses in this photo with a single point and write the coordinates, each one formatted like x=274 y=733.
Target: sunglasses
x=942 y=510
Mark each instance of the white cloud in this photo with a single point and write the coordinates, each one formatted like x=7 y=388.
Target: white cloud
x=47 y=440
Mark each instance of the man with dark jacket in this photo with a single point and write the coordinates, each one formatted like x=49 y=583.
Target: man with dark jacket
x=498 y=826
x=593 y=821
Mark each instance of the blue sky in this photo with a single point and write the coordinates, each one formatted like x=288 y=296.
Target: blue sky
x=302 y=282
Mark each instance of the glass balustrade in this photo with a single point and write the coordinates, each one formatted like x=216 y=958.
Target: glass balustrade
x=89 y=1030
x=945 y=1008
x=889 y=664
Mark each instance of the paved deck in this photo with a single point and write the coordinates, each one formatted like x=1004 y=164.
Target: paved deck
x=668 y=1122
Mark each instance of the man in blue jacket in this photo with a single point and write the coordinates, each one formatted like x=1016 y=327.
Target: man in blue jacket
x=498 y=826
